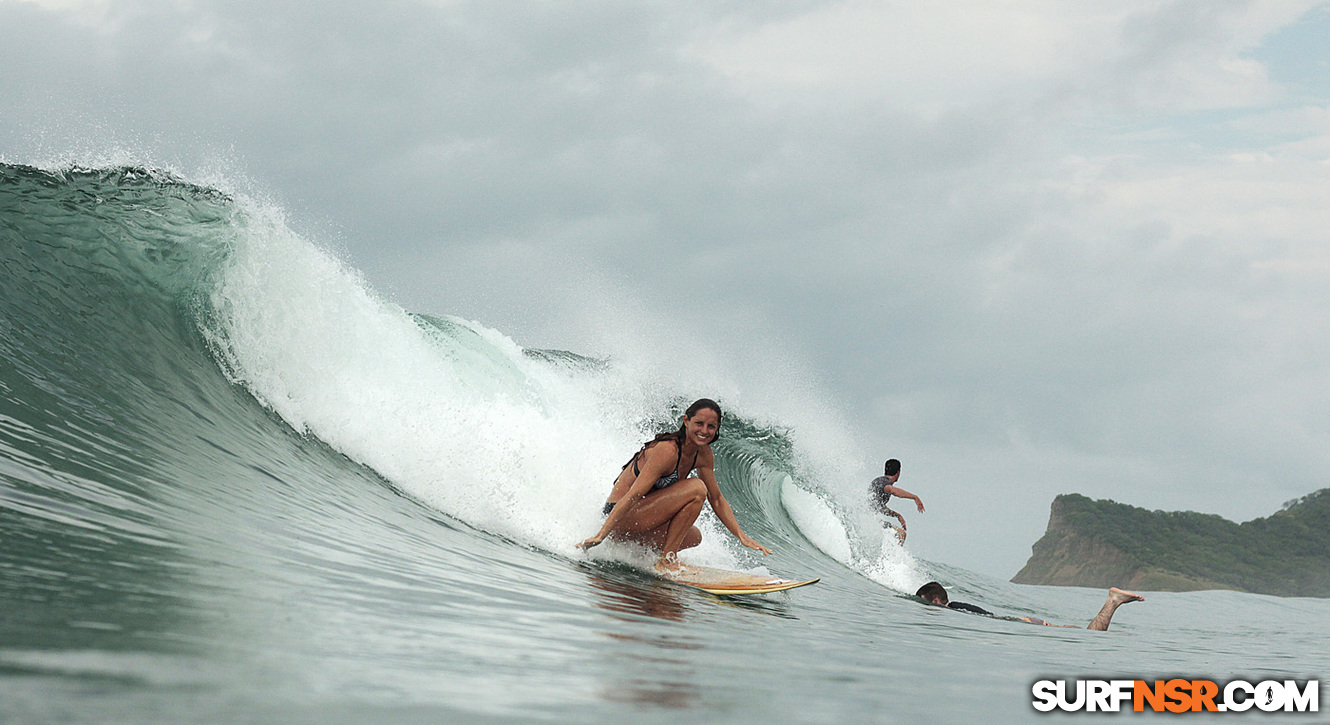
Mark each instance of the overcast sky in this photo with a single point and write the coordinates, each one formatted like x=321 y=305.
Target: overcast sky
x=1027 y=247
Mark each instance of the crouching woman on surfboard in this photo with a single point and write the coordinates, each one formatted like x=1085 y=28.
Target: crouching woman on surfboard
x=655 y=501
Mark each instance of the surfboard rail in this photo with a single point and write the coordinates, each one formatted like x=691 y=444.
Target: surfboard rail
x=728 y=583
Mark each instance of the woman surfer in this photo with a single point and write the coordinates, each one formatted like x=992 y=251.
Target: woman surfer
x=655 y=501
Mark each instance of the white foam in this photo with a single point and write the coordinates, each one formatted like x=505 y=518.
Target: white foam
x=817 y=520
x=893 y=566
x=876 y=554
x=309 y=339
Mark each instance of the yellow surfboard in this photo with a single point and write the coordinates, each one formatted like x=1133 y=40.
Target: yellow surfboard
x=721 y=581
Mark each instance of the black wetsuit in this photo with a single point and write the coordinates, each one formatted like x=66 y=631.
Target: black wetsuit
x=967 y=608
x=962 y=606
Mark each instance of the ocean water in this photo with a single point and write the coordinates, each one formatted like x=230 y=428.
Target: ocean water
x=237 y=486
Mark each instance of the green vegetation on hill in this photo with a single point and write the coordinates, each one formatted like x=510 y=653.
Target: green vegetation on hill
x=1287 y=553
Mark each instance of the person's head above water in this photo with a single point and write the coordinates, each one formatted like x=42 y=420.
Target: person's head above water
x=691 y=413
x=689 y=418
x=933 y=593
x=892 y=468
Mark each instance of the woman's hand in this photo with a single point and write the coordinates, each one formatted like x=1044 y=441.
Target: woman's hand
x=593 y=541
x=746 y=541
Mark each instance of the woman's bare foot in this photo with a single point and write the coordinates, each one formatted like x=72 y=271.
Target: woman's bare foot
x=1119 y=596
x=668 y=564
x=1116 y=598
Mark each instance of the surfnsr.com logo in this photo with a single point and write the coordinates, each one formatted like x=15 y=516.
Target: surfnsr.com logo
x=1176 y=695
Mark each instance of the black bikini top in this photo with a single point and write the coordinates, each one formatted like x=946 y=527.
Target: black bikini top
x=666 y=480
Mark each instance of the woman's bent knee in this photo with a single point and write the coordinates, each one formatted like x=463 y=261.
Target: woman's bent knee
x=695 y=487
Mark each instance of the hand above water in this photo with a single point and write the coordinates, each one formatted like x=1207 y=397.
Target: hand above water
x=746 y=541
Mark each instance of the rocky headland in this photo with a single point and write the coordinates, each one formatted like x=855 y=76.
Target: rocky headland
x=1100 y=543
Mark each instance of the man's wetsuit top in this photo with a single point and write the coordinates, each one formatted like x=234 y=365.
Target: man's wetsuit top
x=967 y=608
x=876 y=492
x=980 y=610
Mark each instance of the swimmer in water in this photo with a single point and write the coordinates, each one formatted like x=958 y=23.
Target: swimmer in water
x=934 y=593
